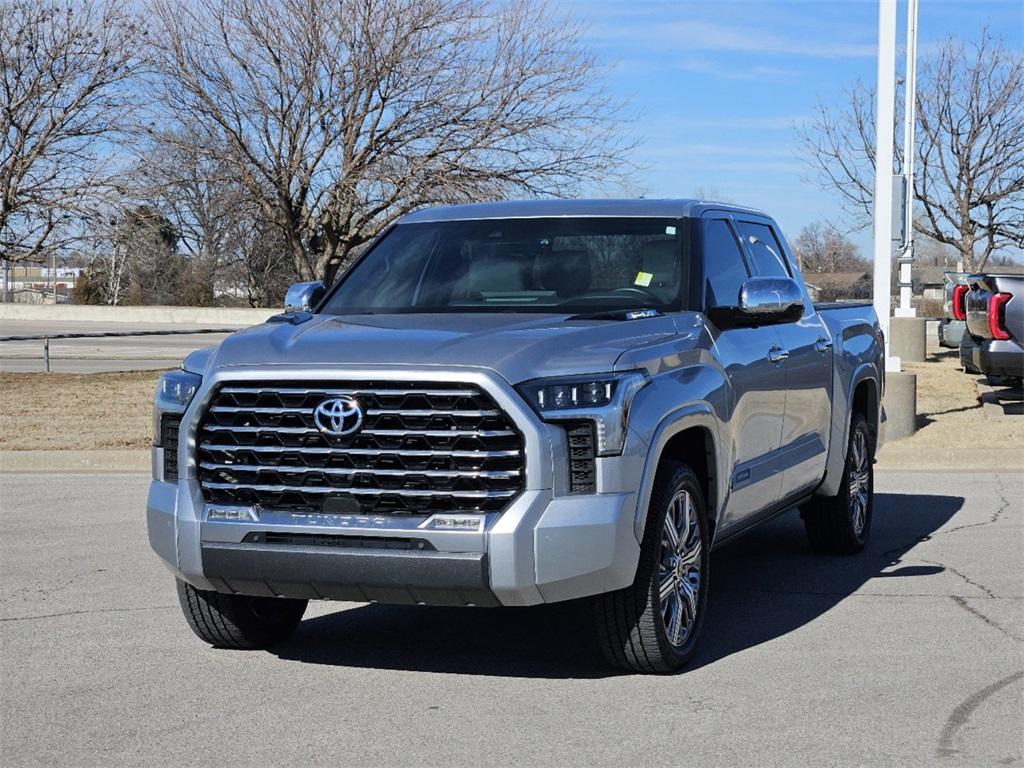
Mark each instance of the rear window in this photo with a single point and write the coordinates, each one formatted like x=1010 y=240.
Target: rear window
x=764 y=248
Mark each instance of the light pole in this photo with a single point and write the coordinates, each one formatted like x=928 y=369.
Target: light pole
x=882 y=218
x=909 y=115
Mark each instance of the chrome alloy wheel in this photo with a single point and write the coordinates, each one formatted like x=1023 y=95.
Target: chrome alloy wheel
x=680 y=568
x=860 y=476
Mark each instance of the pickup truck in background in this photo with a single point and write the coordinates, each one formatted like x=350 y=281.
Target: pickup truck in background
x=993 y=343
x=509 y=404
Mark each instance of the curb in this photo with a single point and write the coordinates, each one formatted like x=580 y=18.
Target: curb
x=993 y=402
x=128 y=460
x=900 y=456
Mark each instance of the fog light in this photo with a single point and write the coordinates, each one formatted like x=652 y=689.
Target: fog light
x=232 y=514
x=457 y=523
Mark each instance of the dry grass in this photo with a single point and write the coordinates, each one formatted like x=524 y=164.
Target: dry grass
x=949 y=412
x=65 y=411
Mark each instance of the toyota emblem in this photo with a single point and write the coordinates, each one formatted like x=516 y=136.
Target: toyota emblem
x=339 y=416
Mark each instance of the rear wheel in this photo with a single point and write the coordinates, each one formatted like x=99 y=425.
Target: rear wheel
x=653 y=624
x=840 y=524
x=239 y=621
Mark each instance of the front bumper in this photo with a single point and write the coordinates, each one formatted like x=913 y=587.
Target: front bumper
x=547 y=546
x=950 y=332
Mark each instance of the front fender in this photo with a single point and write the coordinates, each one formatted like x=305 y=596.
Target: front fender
x=697 y=414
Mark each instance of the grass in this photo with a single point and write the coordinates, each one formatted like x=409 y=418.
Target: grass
x=950 y=415
x=67 y=411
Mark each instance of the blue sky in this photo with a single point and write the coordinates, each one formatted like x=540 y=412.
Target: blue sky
x=717 y=88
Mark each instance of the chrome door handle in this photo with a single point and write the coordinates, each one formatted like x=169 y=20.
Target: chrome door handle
x=777 y=354
x=823 y=344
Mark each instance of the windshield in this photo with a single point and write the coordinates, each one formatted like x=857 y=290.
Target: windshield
x=571 y=265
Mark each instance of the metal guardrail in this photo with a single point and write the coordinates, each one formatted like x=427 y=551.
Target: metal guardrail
x=45 y=338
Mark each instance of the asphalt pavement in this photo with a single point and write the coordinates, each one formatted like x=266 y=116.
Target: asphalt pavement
x=93 y=355
x=909 y=654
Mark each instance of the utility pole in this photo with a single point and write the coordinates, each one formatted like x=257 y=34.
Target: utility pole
x=885 y=112
x=906 y=259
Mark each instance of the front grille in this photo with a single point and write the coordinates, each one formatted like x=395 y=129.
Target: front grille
x=422 y=448
x=342 y=542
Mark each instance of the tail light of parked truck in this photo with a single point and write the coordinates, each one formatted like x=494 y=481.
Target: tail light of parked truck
x=997 y=315
x=960 y=302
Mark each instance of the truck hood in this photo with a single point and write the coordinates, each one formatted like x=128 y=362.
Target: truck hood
x=516 y=346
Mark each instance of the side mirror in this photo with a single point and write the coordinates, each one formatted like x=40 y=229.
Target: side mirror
x=763 y=301
x=771 y=299
x=302 y=297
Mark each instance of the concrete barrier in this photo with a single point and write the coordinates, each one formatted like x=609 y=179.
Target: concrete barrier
x=219 y=317
x=907 y=338
x=900 y=404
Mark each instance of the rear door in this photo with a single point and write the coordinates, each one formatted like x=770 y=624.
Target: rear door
x=758 y=385
x=808 y=409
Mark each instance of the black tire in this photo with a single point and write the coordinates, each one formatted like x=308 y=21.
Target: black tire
x=840 y=524
x=632 y=628
x=239 y=621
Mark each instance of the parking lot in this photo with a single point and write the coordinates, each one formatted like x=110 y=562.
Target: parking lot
x=911 y=653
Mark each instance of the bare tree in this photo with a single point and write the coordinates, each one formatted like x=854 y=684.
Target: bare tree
x=970 y=152
x=338 y=116
x=66 y=65
x=823 y=248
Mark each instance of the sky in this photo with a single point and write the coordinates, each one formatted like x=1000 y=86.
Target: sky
x=715 y=90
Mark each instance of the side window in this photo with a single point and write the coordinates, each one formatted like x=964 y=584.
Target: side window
x=724 y=266
x=769 y=258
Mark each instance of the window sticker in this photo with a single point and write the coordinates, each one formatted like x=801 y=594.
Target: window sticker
x=643 y=279
x=670 y=230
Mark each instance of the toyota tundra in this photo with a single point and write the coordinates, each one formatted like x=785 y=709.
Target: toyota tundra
x=508 y=404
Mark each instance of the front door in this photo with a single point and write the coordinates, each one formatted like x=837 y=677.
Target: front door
x=757 y=375
x=808 y=345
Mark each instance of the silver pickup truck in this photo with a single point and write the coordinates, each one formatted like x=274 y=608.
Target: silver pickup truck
x=517 y=403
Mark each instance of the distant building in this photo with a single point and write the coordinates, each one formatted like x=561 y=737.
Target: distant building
x=838 y=286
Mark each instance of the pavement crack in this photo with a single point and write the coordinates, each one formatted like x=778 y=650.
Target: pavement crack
x=962 y=602
x=977 y=585
x=965 y=709
x=1004 y=505
x=76 y=613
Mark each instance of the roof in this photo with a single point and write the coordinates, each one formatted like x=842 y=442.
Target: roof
x=834 y=280
x=930 y=274
x=535 y=209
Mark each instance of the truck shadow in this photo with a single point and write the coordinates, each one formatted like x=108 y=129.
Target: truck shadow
x=764 y=586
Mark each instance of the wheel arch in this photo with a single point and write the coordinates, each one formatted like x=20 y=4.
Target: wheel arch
x=862 y=395
x=689 y=435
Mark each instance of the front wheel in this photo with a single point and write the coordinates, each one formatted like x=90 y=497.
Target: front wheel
x=653 y=624
x=239 y=621
x=840 y=524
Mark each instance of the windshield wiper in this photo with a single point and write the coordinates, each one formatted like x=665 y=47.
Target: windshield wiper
x=617 y=314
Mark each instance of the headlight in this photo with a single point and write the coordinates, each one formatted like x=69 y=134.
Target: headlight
x=602 y=398
x=174 y=391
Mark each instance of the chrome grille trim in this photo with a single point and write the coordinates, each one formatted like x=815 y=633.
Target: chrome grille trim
x=380 y=432
x=328 y=391
x=496 y=474
x=359 y=451
x=363 y=491
x=424 y=448
x=369 y=412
